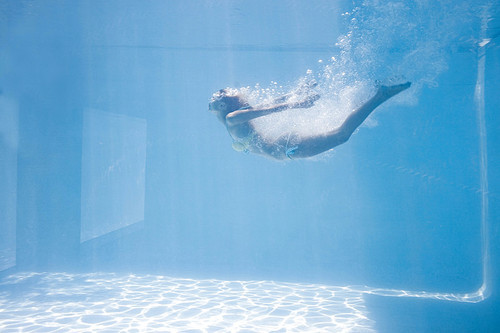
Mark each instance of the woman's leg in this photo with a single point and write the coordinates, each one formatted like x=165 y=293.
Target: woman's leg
x=310 y=146
x=358 y=116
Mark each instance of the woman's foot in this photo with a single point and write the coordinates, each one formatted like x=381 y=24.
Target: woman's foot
x=389 y=91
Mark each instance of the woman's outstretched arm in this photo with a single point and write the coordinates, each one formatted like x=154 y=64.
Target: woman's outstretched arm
x=245 y=115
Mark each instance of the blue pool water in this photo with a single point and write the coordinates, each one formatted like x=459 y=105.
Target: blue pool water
x=123 y=206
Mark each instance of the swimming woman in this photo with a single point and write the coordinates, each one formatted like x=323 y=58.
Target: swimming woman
x=236 y=114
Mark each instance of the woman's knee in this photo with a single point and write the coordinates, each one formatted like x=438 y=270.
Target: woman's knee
x=343 y=136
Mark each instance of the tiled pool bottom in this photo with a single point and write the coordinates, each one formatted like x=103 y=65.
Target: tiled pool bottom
x=103 y=302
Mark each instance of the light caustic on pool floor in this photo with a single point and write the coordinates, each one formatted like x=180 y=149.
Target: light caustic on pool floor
x=102 y=302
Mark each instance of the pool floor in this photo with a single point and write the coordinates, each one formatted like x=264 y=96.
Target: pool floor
x=105 y=302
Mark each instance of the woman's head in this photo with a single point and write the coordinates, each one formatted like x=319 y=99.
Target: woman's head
x=226 y=101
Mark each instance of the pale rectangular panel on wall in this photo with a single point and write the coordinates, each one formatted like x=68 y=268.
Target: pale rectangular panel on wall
x=8 y=181
x=113 y=172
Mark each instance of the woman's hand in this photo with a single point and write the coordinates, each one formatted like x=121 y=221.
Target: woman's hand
x=307 y=103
